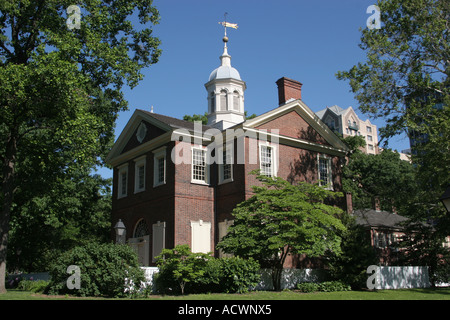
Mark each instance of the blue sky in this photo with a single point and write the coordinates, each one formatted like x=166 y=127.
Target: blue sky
x=308 y=41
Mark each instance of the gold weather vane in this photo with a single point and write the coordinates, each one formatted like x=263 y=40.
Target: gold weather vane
x=226 y=25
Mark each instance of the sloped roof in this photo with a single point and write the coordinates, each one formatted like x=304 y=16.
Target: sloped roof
x=174 y=122
x=335 y=109
x=383 y=219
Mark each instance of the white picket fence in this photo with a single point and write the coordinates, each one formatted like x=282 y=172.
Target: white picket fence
x=402 y=277
x=388 y=277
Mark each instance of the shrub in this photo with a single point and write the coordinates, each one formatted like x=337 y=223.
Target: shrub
x=230 y=275
x=178 y=267
x=183 y=271
x=38 y=286
x=308 y=287
x=104 y=270
x=331 y=286
x=328 y=286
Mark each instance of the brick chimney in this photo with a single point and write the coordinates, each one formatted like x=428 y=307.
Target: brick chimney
x=288 y=89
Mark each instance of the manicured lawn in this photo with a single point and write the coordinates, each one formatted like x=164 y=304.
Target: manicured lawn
x=404 y=294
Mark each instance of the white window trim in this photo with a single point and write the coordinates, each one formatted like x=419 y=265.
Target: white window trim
x=221 y=167
x=206 y=181
x=158 y=154
x=274 y=166
x=122 y=169
x=329 y=186
x=138 y=162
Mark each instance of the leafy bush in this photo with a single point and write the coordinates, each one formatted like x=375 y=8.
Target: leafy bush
x=104 y=270
x=230 y=275
x=38 y=286
x=183 y=271
x=328 y=286
x=331 y=286
x=178 y=267
x=308 y=287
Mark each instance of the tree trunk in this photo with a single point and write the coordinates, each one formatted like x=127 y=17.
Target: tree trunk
x=8 y=193
x=276 y=278
x=277 y=270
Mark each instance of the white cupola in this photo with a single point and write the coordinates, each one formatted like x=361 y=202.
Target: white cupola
x=225 y=94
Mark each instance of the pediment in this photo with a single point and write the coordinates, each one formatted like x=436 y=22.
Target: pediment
x=296 y=120
x=140 y=130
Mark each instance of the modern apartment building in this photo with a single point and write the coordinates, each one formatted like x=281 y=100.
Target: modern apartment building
x=347 y=123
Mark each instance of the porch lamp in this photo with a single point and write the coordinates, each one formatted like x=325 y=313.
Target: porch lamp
x=445 y=198
x=120 y=229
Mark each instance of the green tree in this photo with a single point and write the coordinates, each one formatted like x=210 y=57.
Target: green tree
x=357 y=254
x=385 y=176
x=282 y=219
x=204 y=118
x=405 y=81
x=197 y=117
x=61 y=87
x=71 y=211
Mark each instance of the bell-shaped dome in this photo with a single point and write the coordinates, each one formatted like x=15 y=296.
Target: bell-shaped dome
x=225 y=71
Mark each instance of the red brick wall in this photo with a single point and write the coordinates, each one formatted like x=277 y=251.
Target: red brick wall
x=154 y=204
x=193 y=202
x=293 y=125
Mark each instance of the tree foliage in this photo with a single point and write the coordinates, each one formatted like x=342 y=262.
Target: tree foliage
x=405 y=81
x=282 y=219
x=62 y=88
x=179 y=266
x=105 y=270
x=385 y=176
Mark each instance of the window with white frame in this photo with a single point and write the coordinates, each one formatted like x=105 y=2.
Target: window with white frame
x=226 y=169
x=325 y=176
x=159 y=167
x=122 y=189
x=199 y=165
x=139 y=174
x=267 y=163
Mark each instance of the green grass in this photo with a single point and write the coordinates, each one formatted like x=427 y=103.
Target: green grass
x=402 y=294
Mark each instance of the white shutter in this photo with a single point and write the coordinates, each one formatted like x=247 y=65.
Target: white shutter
x=200 y=236
x=159 y=236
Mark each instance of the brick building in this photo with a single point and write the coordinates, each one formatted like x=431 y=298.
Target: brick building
x=176 y=182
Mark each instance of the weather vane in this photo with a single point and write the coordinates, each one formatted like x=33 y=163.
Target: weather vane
x=226 y=25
